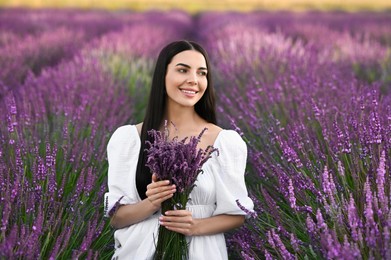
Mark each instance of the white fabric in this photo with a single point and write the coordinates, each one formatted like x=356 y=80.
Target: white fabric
x=218 y=188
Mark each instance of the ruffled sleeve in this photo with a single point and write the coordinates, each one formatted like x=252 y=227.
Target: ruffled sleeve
x=230 y=183
x=122 y=154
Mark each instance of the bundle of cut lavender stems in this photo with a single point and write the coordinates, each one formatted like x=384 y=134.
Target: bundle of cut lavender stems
x=180 y=162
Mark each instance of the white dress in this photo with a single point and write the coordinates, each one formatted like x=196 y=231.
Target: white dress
x=218 y=188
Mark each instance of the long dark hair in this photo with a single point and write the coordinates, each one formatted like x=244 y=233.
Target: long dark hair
x=153 y=119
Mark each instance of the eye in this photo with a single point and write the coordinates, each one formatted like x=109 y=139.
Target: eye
x=182 y=70
x=202 y=73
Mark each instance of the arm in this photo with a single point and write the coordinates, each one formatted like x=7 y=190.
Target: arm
x=181 y=221
x=130 y=214
x=217 y=224
x=157 y=192
x=122 y=150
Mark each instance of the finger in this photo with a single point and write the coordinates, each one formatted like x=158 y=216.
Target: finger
x=158 y=184
x=160 y=189
x=178 y=220
x=178 y=212
x=154 y=177
x=156 y=189
x=176 y=225
x=159 y=197
x=165 y=198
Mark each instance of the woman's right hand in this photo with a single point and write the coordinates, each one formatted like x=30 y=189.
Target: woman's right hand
x=159 y=191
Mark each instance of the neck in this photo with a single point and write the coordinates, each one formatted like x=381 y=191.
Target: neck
x=181 y=117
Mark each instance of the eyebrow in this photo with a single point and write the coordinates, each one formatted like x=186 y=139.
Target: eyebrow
x=187 y=66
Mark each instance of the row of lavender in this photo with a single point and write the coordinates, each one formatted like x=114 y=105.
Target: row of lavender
x=310 y=93
x=58 y=120
x=312 y=98
x=32 y=40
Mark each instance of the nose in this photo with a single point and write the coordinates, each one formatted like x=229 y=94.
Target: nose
x=192 y=80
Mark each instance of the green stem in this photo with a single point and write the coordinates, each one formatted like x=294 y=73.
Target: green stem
x=171 y=245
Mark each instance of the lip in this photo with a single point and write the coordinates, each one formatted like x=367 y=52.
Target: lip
x=189 y=89
x=188 y=92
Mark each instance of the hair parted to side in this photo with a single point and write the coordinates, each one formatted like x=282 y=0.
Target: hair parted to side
x=153 y=119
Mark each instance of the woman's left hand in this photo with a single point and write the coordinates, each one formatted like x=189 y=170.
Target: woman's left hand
x=180 y=221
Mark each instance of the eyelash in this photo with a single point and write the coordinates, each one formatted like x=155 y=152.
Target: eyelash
x=202 y=73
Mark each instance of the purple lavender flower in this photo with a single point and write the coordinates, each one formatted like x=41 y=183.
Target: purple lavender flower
x=252 y=214
x=353 y=219
x=332 y=245
x=290 y=154
x=321 y=225
x=387 y=238
x=280 y=246
x=292 y=198
x=268 y=256
x=341 y=169
x=328 y=186
x=295 y=243
x=177 y=160
x=370 y=224
x=245 y=256
x=380 y=181
x=270 y=239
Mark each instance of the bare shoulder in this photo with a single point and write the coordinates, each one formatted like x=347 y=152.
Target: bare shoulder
x=212 y=133
x=213 y=129
x=139 y=126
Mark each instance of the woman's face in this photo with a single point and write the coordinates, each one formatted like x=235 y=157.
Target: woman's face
x=186 y=79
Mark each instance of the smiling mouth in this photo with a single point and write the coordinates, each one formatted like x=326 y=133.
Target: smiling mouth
x=193 y=92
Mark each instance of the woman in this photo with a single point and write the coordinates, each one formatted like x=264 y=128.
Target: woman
x=181 y=93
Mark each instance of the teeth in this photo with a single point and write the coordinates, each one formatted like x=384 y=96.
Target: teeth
x=188 y=91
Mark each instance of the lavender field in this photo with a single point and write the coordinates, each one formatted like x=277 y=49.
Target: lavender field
x=309 y=92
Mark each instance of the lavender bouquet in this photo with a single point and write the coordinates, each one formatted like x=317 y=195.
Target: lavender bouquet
x=180 y=162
